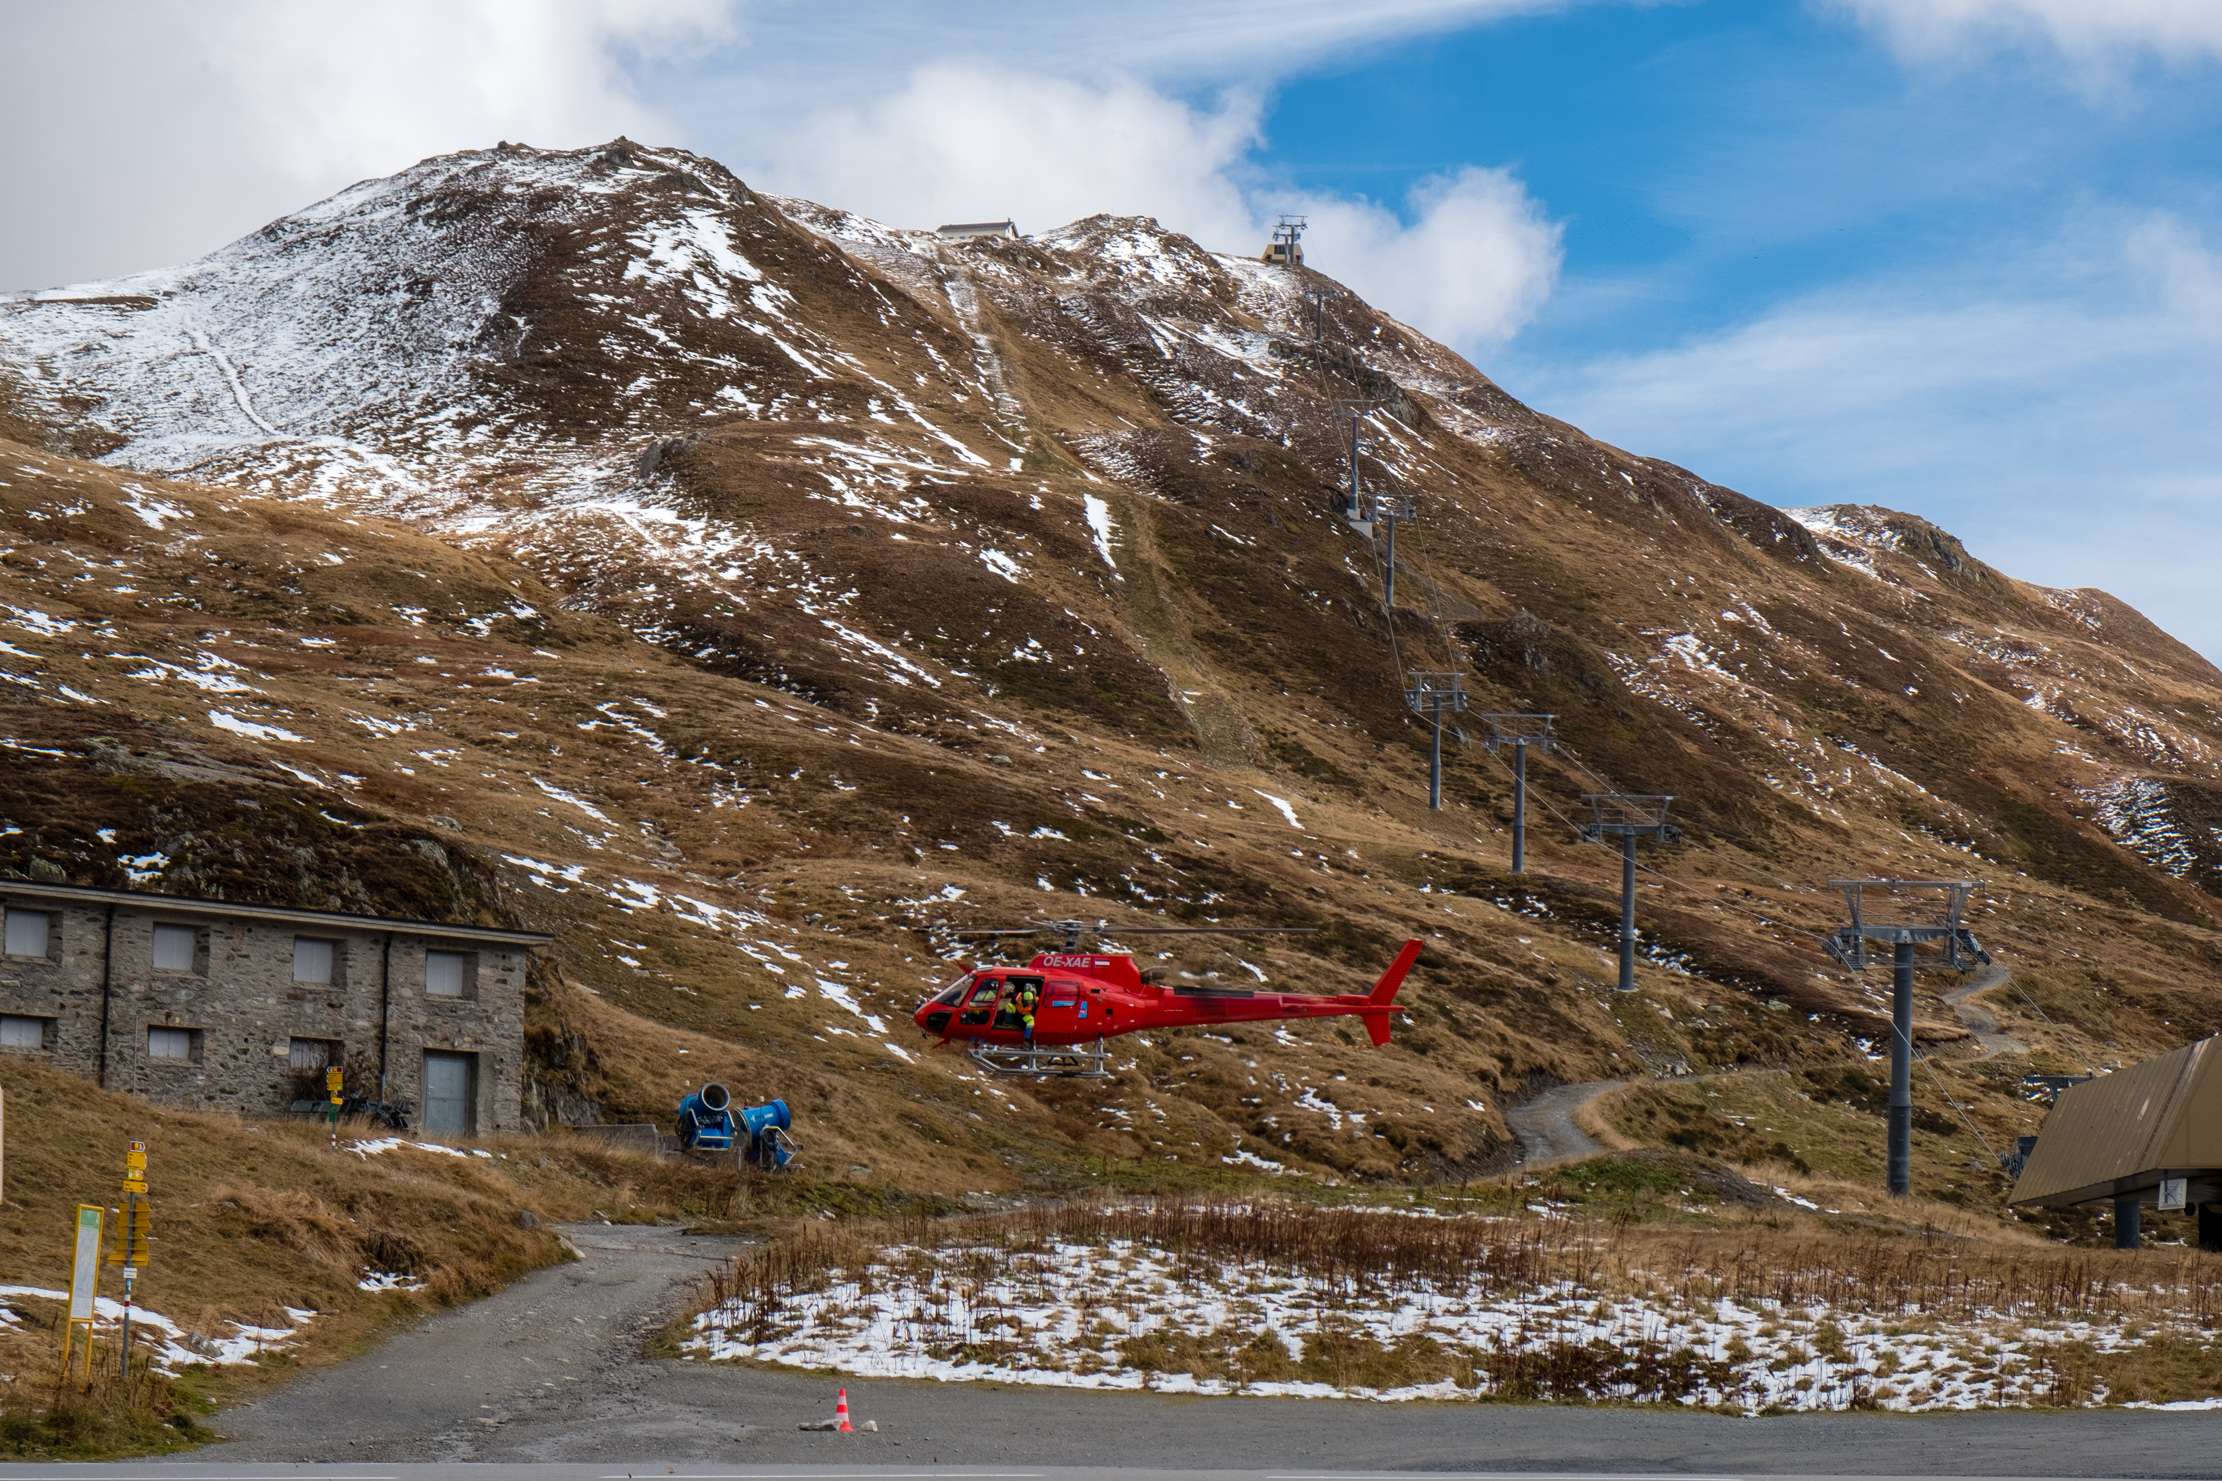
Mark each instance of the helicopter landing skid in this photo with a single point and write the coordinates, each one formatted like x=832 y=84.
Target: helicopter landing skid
x=1069 y=1060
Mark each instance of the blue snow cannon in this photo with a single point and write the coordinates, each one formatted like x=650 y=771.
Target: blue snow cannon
x=706 y=1120
x=769 y=1147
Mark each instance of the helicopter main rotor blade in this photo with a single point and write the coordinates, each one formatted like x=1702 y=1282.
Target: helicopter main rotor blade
x=1207 y=930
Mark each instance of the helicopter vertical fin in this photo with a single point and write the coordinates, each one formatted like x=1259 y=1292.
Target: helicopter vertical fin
x=1376 y=1011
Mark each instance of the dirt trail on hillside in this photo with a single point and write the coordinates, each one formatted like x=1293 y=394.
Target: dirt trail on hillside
x=556 y=1342
x=1990 y=1039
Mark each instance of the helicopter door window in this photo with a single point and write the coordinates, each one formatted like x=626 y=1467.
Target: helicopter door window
x=982 y=1007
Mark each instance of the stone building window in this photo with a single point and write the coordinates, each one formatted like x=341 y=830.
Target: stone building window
x=314 y=1054
x=315 y=960
x=22 y=1031
x=451 y=974
x=176 y=948
x=173 y=1045
x=29 y=932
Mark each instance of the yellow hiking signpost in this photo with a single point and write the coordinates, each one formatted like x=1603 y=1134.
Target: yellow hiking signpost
x=131 y=1243
x=334 y=1078
x=84 y=1281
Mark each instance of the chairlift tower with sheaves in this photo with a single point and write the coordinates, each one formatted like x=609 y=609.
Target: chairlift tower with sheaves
x=1521 y=733
x=1907 y=914
x=1434 y=695
x=1628 y=816
x=1286 y=248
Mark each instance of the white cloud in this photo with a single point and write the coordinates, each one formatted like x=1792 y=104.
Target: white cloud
x=146 y=133
x=1472 y=265
x=2053 y=408
x=971 y=142
x=2092 y=29
x=862 y=39
x=1469 y=258
x=2186 y=274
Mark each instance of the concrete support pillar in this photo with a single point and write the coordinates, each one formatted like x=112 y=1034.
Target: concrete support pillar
x=1901 y=1070
x=1627 y=912
x=2125 y=1222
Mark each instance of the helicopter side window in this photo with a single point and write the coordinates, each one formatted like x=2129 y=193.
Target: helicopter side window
x=982 y=1007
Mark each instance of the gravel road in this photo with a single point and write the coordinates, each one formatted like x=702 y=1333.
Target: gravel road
x=450 y=1388
x=1544 y=1125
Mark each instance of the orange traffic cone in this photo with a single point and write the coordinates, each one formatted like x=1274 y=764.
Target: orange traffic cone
x=841 y=1414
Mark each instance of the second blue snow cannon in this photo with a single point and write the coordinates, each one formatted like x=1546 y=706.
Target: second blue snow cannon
x=769 y=1146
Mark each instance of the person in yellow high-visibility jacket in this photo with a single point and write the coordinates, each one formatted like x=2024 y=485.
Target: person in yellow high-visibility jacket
x=1027 y=997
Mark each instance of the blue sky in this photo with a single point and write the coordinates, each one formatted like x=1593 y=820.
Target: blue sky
x=1960 y=257
x=1731 y=176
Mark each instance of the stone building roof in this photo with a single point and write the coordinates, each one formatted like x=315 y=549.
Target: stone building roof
x=186 y=905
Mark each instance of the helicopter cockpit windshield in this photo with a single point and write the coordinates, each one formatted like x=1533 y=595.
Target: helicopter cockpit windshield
x=934 y=1014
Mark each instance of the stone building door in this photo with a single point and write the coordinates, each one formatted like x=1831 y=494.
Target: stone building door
x=450 y=1093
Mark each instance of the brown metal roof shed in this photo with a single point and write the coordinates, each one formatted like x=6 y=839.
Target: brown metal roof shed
x=2120 y=1134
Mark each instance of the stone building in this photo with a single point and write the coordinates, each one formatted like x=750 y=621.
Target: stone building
x=213 y=1004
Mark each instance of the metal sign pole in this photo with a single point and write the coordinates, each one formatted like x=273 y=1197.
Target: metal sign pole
x=130 y=1279
x=131 y=1252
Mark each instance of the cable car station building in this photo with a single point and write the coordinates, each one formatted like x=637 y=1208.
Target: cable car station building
x=2148 y=1135
x=212 y=1004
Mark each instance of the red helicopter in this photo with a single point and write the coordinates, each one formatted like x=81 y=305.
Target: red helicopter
x=1079 y=998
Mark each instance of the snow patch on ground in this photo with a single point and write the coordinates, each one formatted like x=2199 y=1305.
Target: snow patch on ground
x=1072 y=1315
x=170 y=1345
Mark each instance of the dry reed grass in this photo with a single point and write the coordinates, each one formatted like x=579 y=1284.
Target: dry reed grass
x=1361 y=1257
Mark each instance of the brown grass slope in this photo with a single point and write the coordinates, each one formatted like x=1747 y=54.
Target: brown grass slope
x=750 y=644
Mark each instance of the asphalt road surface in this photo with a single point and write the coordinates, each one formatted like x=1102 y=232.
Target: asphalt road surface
x=549 y=1374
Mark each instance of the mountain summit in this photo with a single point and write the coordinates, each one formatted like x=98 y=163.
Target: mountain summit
x=753 y=593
